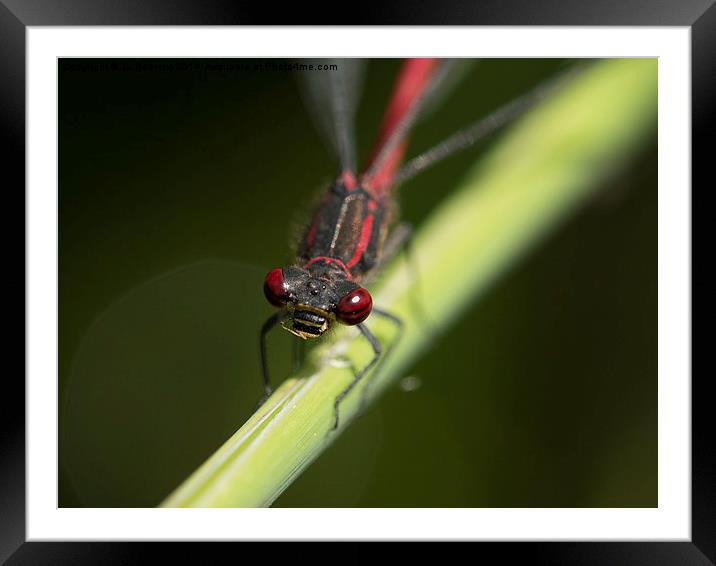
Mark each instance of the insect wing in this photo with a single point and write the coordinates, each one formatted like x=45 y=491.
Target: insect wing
x=330 y=89
x=421 y=85
x=444 y=84
x=487 y=125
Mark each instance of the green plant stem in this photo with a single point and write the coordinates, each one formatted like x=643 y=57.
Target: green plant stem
x=541 y=170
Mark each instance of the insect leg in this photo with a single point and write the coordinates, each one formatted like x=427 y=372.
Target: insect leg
x=272 y=321
x=401 y=327
x=376 y=354
x=401 y=239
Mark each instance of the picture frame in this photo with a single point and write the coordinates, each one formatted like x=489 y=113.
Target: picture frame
x=15 y=17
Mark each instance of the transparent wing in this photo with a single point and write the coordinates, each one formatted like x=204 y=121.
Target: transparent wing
x=161 y=377
x=445 y=82
x=483 y=127
x=330 y=89
x=445 y=78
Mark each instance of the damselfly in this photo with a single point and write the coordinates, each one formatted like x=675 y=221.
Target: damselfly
x=171 y=184
x=354 y=229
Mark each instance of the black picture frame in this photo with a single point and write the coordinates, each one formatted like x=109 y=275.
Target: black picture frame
x=16 y=15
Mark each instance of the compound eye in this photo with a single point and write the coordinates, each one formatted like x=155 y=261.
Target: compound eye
x=275 y=288
x=354 y=307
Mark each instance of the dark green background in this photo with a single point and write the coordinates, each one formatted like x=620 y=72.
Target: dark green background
x=544 y=395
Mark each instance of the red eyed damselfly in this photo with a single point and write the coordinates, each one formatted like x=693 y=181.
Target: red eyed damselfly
x=146 y=346
x=192 y=173
x=354 y=228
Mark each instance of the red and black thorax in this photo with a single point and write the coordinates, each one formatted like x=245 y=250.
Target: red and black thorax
x=346 y=235
x=350 y=224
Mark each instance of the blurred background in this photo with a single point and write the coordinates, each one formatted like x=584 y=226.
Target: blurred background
x=181 y=182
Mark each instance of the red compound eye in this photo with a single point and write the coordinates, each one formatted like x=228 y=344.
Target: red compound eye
x=274 y=288
x=354 y=307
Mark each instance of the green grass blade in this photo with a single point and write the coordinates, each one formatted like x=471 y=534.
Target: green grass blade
x=543 y=168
